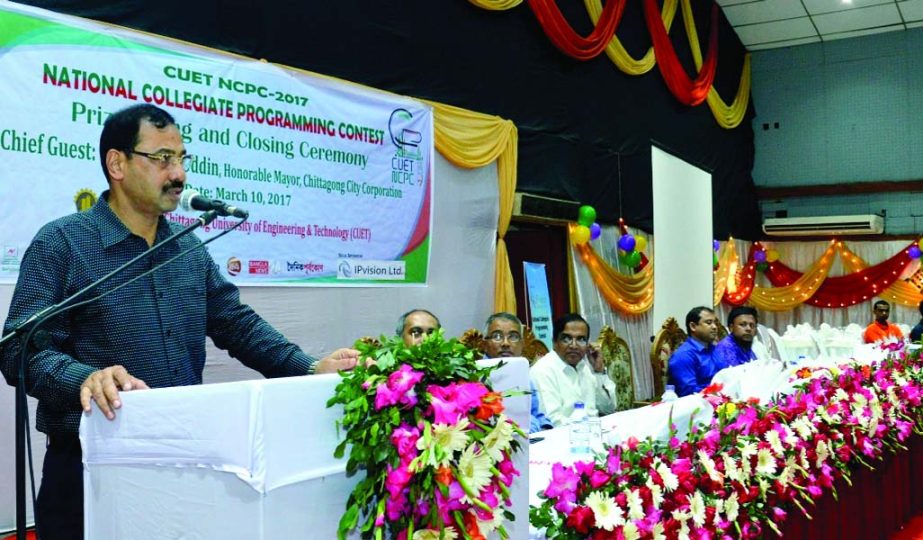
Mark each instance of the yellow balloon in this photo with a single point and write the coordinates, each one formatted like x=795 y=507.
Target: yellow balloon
x=640 y=243
x=580 y=234
x=772 y=255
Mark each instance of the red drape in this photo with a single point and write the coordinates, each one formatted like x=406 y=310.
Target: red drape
x=687 y=91
x=565 y=38
x=873 y=508
x=846 y=290
x=746 y=277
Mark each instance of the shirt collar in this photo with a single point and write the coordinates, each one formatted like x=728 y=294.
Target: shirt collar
x=564 y=366
x=699 y=346
x=111 y=229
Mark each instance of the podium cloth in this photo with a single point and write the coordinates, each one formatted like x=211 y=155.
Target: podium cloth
x=251 y=459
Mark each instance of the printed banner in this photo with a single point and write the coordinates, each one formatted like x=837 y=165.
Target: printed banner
x=337 y=178
x=539 y=302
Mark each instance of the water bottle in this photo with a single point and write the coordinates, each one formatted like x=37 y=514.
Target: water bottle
x=579 y=430
x=669 y=393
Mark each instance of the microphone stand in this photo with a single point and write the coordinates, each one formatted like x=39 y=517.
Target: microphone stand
x=31 y=324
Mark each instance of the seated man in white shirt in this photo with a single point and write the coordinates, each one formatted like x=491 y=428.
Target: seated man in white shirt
x=572 y=372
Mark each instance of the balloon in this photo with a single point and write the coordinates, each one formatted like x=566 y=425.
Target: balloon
x=759 y=256
x=640 y=243
x=595 y=231
x=587 y=215
x=580 y=234
x=632 y=259
x=762 y=266
x=627 y=242
x=914 y=252
x=714 y=260
x=715 y=245
x=772 y=255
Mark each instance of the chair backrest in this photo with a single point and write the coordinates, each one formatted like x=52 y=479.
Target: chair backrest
x=617 y=357
x=666 y=341
x=532 y=347
x=722 y=331
x=473 y=339
x=763 y=332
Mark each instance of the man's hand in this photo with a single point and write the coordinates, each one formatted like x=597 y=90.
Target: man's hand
x=595 y=359
x=103 y=387
x=339 y=360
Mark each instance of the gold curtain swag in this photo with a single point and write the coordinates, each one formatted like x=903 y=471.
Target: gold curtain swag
x=617 y=52
x=792 y=296
x=469 y=139
x=631 y=295
x=496 y=5
x=725 y=275
x=900 y=291
x=728 y=116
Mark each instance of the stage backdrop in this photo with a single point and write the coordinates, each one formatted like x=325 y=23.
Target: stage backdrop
x=337 y=177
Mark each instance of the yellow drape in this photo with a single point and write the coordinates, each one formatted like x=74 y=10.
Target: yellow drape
x=728 y=262
x=900 y=291
x=496 y=5
x=616 y=51
x=792 y=296
x=631 y=295
x=469 y=139
x=728 y=116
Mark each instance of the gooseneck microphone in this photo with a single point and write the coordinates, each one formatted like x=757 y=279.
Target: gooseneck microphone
x=191 y=200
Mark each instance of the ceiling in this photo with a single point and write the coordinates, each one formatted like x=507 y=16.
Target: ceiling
x=767 y=24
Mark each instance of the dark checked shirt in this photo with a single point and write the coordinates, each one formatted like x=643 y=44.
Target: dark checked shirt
x=155 y=327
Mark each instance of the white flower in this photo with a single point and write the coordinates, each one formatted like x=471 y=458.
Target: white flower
x=670 y=481
x=606 y=511
x=790 y=438
x=775 y=442
x=719 y=507
x=633 y=501
x=765 y=463
x=656 y=495
x=697 y=508
x=657 y=531
x=709 y=465
x=730 y=468
x=450 y=438
x=630 y=531
x=841 y=395
x=498 y=440
x=474 y=470
x=804 y=427
x=747 y=449
x=803 y=458
x=823 y=452
x=492 y=524
x=432 y=534
x=731 y=507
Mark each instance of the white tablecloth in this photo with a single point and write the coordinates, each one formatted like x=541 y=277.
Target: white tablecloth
x=245 y=460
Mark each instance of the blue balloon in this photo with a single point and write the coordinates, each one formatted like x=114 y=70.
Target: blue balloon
x=627 y=242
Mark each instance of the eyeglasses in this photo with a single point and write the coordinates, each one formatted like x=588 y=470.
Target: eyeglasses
x=419 y=332
x=165 y=160
x=499 y=337
x=567 y=340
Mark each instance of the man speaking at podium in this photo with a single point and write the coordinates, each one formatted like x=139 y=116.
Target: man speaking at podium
x=149 y=334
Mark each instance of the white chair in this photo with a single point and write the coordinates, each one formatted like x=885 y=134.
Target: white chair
x=762 y=333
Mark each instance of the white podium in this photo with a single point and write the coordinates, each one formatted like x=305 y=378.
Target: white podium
x=243 y=460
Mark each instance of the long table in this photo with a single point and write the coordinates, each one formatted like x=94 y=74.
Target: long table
x=243 y=460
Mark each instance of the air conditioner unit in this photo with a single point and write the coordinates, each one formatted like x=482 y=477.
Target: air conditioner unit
x=545 y=208
x=824 y=225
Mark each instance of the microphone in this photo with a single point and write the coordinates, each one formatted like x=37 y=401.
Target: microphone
x=191 y=200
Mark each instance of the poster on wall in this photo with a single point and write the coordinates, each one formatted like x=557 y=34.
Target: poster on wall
x=337 y=178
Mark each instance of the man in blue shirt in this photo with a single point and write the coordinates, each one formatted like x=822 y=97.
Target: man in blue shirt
x=737 y=347
x=148 y=334
x=693 y=364
x=917 y=332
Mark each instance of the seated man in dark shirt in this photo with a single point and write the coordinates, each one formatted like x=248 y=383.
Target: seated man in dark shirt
x=737 y=347
x=917 y=331
x=693 y=364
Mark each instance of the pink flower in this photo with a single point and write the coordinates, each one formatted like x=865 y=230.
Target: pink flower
x=405 y=438
x=507 y=470
x=469 y=395
x=404 y=379
x=563 y=487
x=397 y=479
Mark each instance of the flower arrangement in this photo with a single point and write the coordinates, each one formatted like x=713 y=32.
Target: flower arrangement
x=432 y=437
x=746 y=470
